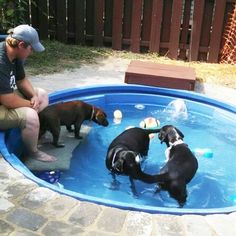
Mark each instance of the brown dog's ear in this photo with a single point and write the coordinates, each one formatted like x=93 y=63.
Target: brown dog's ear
x=179 y=133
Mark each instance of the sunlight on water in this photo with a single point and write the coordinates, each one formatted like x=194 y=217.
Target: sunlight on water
x=177 y=109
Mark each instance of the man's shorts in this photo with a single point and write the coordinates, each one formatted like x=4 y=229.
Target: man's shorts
x=13 y=118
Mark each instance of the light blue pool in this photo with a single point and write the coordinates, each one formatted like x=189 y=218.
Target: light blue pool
x=208 y=125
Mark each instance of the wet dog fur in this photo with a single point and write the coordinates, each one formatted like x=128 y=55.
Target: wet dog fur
x=125 y=152
x=181 y=164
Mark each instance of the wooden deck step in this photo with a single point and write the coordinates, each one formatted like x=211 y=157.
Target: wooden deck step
x=160 y=75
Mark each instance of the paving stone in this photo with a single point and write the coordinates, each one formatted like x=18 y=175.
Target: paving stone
x=5 y=181
x=26 y=219
x=5 y=228
x=195 y=225
x=3 y=184
x=20 y=187
x=111 y=220
x=59 y=228
x=20 y=232
x=3 y=172
x=85 y=214
x=38 y=197
x=5 y=205
x=4 y=193
x=168 y=225
x=59 y=207
x=11 y=174
x=138 y=224
x=222 y=224
x=3 y=164
x=96 y=233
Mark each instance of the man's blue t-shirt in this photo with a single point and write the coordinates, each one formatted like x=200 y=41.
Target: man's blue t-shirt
x=10 y=72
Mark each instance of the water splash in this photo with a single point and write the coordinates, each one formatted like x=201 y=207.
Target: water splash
x=177 y=109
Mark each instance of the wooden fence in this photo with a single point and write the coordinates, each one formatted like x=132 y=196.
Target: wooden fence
x=180 y=29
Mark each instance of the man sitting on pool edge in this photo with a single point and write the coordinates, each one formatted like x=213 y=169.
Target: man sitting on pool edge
x=19 y=101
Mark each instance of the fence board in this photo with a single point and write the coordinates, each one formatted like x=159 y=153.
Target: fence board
x=185 y=31
x=155 y=35
x=34 y=14
x=136 y=26
x=43 y=22
x=127 y=19
x=206 y=29
x=117 y=24
x=71 y=20
x=61 y=24
x=166 y=24
x=146 y=23
x=175 y=28
x=52 y=19
x=98 y=22
x=89 y=19
x=196 y=29
x=217 y=29
x=80 y=22
x=108 y=19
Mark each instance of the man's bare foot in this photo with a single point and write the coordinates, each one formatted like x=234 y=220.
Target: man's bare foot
x=42 y=156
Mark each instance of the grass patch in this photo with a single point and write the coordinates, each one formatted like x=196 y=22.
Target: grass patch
x=59 y=57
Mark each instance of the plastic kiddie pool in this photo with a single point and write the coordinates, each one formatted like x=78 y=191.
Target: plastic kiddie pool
x=137 y=98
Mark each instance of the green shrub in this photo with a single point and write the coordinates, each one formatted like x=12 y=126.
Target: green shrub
x=13 y=13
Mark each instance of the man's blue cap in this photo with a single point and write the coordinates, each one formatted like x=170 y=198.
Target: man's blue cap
x=29 y=35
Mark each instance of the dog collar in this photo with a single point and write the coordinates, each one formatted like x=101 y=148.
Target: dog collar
x=114 y=157
x=138 y=158
x=92 y=113
x=167 y=151
x=177 y=142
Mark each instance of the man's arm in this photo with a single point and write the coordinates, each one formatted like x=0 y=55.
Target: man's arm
x=12 y=100
x=25 y=87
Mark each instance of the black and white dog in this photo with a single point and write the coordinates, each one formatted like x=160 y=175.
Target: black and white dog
x=127 y=149
x=125 y=153
x=181 y=164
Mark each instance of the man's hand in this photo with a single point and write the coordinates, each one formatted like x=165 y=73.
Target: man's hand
x=34 y=101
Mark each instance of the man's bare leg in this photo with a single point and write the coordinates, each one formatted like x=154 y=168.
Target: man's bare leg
x=30 y=137
x=43 y=98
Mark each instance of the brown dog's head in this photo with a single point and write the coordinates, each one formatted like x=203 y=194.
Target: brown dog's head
x=169 y=134
x=99 y=117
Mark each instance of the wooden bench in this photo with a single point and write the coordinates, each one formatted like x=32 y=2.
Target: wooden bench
x=160 y=75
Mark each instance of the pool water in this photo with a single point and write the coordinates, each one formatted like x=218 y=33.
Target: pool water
x=214 y=185
x=207 y=124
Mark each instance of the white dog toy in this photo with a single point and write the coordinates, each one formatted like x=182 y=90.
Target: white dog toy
x=149 y=123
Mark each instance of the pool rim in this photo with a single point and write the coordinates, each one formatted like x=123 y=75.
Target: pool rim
x=68 y=94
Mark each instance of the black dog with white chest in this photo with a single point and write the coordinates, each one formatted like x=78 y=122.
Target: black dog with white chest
x=181 y=164
x=71 y=113
x=125 y=153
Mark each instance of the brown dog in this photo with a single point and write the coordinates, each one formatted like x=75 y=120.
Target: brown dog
x=68 y=114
